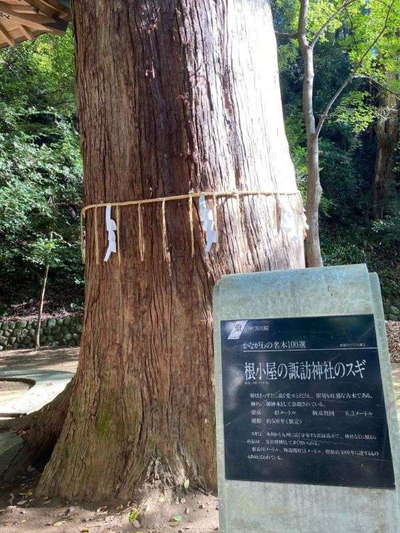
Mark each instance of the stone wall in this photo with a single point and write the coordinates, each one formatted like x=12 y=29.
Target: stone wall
x=65 y=331
x=392 y=311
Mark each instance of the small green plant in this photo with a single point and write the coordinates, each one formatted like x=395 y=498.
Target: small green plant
x=134 y=514
x=174 y=520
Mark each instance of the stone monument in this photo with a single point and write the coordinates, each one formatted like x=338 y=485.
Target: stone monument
x=307 y=432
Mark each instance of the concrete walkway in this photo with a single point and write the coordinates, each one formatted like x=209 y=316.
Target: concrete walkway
x=47 y=371
x=46 y=385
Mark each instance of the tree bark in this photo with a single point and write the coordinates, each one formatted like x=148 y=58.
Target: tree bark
x=387 y=135
x=314 y=189
x=173 y=96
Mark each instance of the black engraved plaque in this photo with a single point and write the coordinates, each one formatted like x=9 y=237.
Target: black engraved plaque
x=303 y=402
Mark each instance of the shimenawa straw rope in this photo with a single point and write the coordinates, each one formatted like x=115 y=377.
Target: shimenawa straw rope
x=163 y=200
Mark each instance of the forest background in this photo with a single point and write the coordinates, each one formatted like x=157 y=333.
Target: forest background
x=41 y=171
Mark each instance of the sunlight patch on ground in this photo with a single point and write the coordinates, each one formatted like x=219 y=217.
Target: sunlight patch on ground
x=10 y=390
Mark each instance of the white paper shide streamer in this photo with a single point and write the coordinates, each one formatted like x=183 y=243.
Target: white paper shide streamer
x=207 y=223
x=288 y=224
x=111 y=227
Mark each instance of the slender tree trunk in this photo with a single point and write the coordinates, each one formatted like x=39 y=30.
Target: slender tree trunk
x=387 y=135
x=173 y=96
x=41 y=304
x=314 y=190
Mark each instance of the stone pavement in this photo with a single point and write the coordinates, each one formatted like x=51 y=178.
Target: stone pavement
x=47 y=371
x=46 y=385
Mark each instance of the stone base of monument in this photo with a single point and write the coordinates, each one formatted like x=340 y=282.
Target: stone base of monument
x=307 y=431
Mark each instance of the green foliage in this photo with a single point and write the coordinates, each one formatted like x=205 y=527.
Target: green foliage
x=347 y=142
x=39 y=74
x=387 y=233
x=46 y=251
x=296 y=136
x=372 y=39
x=356 y=111
x=40 y=168
x=374 y=243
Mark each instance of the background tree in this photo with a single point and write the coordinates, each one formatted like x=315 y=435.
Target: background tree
x=348 y=142
x=387 y=134
x=317 y=20
x=46 y=252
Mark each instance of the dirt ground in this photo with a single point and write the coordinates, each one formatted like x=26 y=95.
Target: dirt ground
x=20 y=511
x=393 y=335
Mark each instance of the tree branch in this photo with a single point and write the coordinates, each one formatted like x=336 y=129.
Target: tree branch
x=352 y=31
x=349 y=79
x=303 y=13
x=325 y=114
x=329 y=20
x=378 y=84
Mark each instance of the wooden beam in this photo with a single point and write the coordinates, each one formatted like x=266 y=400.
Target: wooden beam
x=26 y=32
x=38 y=22
x=59 y=5
x=43 y=7
x=6 y=35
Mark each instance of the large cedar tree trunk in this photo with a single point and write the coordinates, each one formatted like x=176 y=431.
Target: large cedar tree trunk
x=174 y=96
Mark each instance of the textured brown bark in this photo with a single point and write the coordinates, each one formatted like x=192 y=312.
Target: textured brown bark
x=173 y=96
x=387 y=135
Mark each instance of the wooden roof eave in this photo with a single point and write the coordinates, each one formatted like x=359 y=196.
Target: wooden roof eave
x=26 y=19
